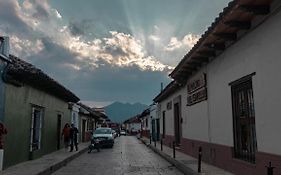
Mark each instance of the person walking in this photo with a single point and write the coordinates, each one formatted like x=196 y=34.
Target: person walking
x=73 y=137
x=66 y=135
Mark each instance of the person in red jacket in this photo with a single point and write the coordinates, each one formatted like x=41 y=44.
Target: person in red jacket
x=66 y=135
x=3 y=131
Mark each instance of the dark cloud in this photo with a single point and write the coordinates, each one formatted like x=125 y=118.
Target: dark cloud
x=53 y=55
x=104 y=83
x=11 y=21
x=80 y=28
x=111 y=83
x=115 y=51
x=41 y=13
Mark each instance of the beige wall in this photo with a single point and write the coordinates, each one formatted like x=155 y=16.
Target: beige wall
x=18 y=113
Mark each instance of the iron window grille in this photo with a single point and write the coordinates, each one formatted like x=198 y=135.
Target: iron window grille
x=245 y=142
x=36 y=128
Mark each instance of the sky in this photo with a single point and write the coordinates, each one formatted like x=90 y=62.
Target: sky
x=107 y=50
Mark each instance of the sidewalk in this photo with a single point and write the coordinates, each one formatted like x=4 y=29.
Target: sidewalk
x=46 y=164
x=186 y=164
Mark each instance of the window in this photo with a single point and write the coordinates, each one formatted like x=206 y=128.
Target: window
x=164 y=125
x=36 y=127
x=146 y=122
x=169 y=105
x=245 y=143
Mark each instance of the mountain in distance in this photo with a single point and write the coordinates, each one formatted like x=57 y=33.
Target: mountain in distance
x=119 y=112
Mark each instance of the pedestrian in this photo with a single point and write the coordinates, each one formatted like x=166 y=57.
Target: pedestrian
x=66 y=135
x=73 y=137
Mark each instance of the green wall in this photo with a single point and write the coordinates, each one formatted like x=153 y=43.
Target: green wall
x=17 y=118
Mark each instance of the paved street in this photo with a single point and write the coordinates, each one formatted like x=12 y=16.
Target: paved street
x=128 y=156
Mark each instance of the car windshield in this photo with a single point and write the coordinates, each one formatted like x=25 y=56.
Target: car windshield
x=103 y=131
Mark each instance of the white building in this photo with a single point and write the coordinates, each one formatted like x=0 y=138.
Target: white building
x=150 y=122
x=225 y=94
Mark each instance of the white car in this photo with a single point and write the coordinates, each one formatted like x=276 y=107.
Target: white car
x=105 y=136
x=114 y=133
x=122 y=132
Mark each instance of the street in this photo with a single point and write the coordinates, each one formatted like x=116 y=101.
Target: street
x=128 y=156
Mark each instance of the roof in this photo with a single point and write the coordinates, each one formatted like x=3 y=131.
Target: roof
x=145 y=113
x=19 y=72
x=92 y=112
x=223 y=32
x=167 y=91
x=135 y=119
x=232 y=23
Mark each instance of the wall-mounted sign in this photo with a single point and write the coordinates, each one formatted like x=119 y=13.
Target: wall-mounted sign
x=196 y=83
x=197 y=90
x=169 y=105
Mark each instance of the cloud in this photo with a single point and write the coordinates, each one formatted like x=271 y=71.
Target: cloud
x=188 y=41
x=156 y=28
x=38 y=9
x=154 y=38
x=80 y=28
x=104 y=83
x=25 y=47
x=128 y=51
x=118 y=49
x=56 y=12
x=97 y=104
x=75 y=29
x=110 y=68
x=11 y=18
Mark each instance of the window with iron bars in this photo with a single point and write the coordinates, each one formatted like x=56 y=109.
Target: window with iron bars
x=36 y=128
x=245 y=142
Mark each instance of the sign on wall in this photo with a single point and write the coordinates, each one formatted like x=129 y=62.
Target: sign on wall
x=169 y=105
x=197 y=90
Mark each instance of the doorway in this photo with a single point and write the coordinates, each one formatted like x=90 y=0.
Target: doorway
x=153 y=129
x=83 y=130
x=58 y=131
x=164 y=125
x=157 y=129
x=177 y=124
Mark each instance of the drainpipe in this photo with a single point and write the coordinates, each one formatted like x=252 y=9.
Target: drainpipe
x=4 y=60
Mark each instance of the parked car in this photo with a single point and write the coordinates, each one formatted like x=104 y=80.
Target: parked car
x=114 y=133
x=123 y=132
x=105 y=136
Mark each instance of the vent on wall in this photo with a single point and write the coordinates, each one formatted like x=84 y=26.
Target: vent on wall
x=4 y=47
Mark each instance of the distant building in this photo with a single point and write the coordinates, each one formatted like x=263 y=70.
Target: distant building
x=224 y=96
x=145 y=123
x=133 y=125
x=101 y=110
x=88 y=119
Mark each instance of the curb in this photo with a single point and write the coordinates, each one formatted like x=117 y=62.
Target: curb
x=62 y=163
x=182 y=167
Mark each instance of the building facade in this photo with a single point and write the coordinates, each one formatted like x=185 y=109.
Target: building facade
x=88 y=119
x=145 y=123
x=35 y=110
x=4 y=60
x=224 y=97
